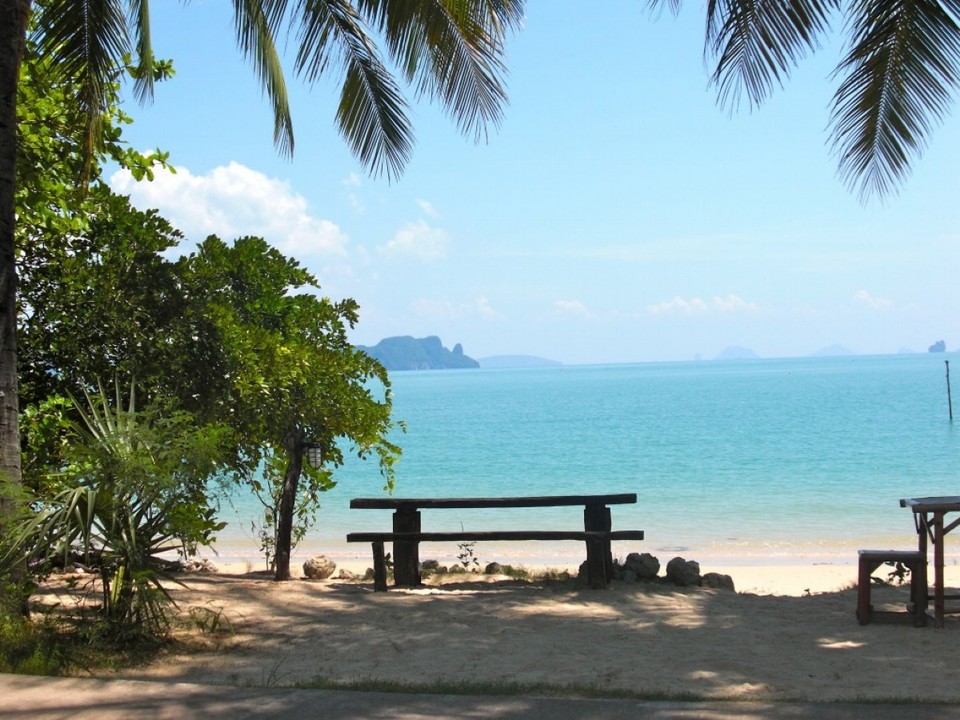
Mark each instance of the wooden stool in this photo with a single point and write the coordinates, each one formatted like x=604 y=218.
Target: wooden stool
x=916 y=561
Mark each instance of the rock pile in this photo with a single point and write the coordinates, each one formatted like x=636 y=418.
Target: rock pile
x=644 y=567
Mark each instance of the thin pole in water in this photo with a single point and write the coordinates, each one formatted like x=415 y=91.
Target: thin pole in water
x=949 y=400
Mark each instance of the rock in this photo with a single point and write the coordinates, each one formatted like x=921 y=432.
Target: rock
x=430 y=565
x=493 y=568
x=368 y=575
x=684 y=573
x=645 y=566
x=628 y=576
x=457 y=569
x=717 y=580
x=346 y=575
x=319 y=567
x=199 y=565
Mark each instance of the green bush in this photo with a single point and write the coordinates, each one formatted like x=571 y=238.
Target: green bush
x=133 y=488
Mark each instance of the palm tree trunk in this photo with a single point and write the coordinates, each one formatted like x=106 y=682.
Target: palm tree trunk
x=13 y=23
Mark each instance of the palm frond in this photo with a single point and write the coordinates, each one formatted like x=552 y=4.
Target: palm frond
x=656 y=6
x=372 y=114
x=452 y=50
x=86 y=41
x=900 y=73
x=756 y=43
x=143 y=85
x=256 y=22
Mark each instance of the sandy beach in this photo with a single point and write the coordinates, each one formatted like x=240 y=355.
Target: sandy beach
x=787 y=632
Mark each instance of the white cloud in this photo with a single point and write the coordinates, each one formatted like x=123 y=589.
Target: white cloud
x=876 y=303
x=418 y=240
x=233 y=201
x=353 y=181
x=572 y=307
x=698 y=306
x=483 y=308
x=427 y=208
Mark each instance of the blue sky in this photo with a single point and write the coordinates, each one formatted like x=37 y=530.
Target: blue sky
x=618 y=215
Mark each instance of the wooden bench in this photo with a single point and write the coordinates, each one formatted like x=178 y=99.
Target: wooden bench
x=916 y=561
x=407 y=533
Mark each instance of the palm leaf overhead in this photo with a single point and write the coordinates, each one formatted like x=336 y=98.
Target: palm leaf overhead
x=900 y=73
x=451 y=50
x=756 y=43
x=86 y=41
x=254 y=21
x=143 y=87
x=371 y=115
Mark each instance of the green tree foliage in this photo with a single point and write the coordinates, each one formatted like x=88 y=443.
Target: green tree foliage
x=101 y=301
x=449 y=50
x=283 y=372
x=234 y=334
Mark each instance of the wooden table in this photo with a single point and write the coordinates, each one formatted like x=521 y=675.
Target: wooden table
x=928 y=518
x=407 y=524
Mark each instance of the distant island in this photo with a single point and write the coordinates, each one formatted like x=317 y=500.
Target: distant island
x=409 y=353
x=735 y=352
x=503 y=362
x=833 y=351
x=937 y=347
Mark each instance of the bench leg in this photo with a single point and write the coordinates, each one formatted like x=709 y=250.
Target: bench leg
x=406 y=554
x=597 y=518
x=379 y=568
x=864 y=608
x=597 y=563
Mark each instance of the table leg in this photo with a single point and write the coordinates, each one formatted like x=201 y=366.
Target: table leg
x=406 y=554
x=938 y=601
x=923 y=533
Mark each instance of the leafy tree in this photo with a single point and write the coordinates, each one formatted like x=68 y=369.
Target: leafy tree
x=109 y=305
x=285 y=374
x=224 y=334
x=449 y=50
x=897 y=78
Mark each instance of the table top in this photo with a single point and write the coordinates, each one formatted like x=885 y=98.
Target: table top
x=944 y=503
x=392 y=503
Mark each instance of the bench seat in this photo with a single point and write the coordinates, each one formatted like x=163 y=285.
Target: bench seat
x=596 y=540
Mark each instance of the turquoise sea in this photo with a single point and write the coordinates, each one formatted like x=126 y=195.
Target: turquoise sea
x=787 y=460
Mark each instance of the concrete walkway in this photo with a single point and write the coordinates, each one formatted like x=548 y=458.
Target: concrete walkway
x=40 y=698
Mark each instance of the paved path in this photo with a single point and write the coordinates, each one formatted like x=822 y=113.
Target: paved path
x=41 y=698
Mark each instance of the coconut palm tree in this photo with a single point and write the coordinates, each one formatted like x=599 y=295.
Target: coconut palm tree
x=896 y=79
x=450 y=51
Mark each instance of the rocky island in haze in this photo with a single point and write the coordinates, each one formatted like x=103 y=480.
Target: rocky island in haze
x=409 y=353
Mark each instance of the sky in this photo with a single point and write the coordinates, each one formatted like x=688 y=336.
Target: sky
x=617 y=215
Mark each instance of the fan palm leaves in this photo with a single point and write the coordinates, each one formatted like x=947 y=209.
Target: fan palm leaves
x=133 y=489
x=897 y=78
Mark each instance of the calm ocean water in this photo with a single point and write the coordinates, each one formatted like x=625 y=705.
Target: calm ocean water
x=800 y=459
